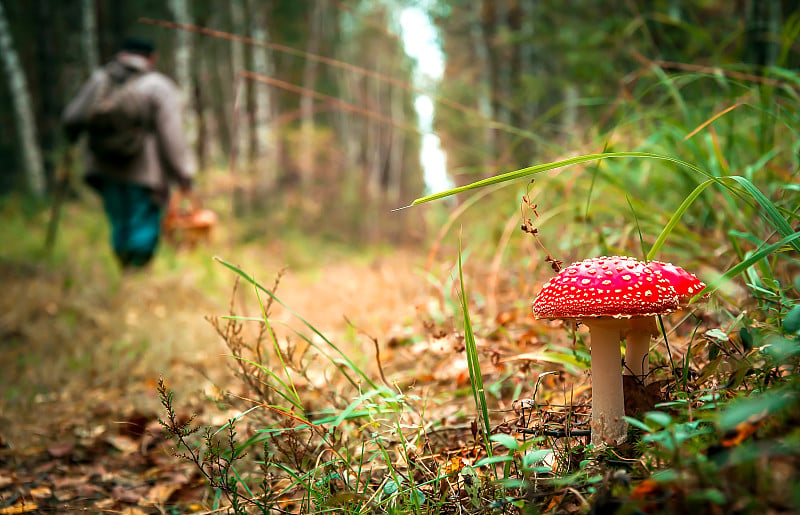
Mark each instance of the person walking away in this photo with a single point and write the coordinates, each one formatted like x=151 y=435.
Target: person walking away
x=132 y=117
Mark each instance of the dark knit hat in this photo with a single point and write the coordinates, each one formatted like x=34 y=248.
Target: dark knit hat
x=139 y=46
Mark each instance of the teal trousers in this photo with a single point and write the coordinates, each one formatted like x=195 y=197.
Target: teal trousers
x=135 y=220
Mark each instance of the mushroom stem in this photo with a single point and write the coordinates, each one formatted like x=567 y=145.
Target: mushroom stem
x=637 y=346
x=608 y=402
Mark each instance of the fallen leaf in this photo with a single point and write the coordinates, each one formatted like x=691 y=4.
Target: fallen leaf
x=105 y=504
x=647 y=489
x=41 y=492
x=640 y=398
x=126 y=494
x=740 y=433
x=6 y=480
x=125 y=444
x=159 y=494
x=60 y=450
x=134 y=425
x=21 y=507
x=455 y=464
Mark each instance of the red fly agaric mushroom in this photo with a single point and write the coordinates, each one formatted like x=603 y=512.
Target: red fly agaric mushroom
x=604 y=293
x=637 y=339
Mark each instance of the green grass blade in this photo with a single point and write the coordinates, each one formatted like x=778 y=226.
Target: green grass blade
x=769 y=211
x=471 y=349
x=748 y=262
x=676 y=216
x=532 y=170
x=293 y=399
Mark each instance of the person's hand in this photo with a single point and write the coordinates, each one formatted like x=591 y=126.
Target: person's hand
x=185 y=187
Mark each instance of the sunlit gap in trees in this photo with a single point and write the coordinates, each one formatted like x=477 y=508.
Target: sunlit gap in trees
x=422 y=44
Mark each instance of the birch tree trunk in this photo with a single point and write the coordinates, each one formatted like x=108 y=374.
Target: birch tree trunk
x=484 y=93
x=242 y=129
x=502 y=60
x=183 y=70
x=374 y=161
x=23 y=110
x=397 y=148
x=263 y=141
x=307 y=147
x=89 y=35
x=526 y=56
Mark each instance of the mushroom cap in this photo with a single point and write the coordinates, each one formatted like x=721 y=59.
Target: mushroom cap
x=616 y=286
x=686 y=284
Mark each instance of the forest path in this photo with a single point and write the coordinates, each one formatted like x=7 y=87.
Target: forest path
x=83 y=352
x=74 y=347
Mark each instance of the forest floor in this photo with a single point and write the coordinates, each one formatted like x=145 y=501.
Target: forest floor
x=83 y=348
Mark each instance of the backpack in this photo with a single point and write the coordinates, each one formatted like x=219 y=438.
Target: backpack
x=117 y=122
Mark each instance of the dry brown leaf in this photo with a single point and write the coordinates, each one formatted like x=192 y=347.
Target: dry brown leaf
x=21 y=507
x=60 y=450
x=159 y=494
x=124 y=444
x=640 y=398
x=105 y=504
x=42 y=492
x=6 y=480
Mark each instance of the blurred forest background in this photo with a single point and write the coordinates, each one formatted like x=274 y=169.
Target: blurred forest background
x=308 y=119
x=310 y=104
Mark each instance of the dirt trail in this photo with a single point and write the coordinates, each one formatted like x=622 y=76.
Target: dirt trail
x=72 y=349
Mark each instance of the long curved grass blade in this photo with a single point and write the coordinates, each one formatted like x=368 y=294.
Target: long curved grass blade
x=769 y=211
x=713 y=119
x=532 y=170
x=754 y=258
x=471 y=350
x=676 y=216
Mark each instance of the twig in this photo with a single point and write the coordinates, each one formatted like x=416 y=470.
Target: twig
x=711 y=70
x=527 y=227
x=377 y=350
x=557 y=433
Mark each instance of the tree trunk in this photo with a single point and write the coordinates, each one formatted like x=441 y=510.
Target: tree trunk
x=48 y=110
x=89 y=35
x=484 y=89
x=397 y=148
x=23 y=110
x=763 y=32
x=527 y=67
x=183 y=70
x=220 y=98
x=242 y=129
x=307 y=146
x=502 y=60
x=263 y=138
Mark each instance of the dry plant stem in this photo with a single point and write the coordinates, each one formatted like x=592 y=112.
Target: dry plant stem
x=637 y=346
x=608 y=403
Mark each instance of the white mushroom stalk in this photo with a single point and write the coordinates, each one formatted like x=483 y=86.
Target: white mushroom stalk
x=637 y=345
x=608 y=400
x=637 y=339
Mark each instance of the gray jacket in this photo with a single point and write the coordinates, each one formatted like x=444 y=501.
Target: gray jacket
x=165 y=157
